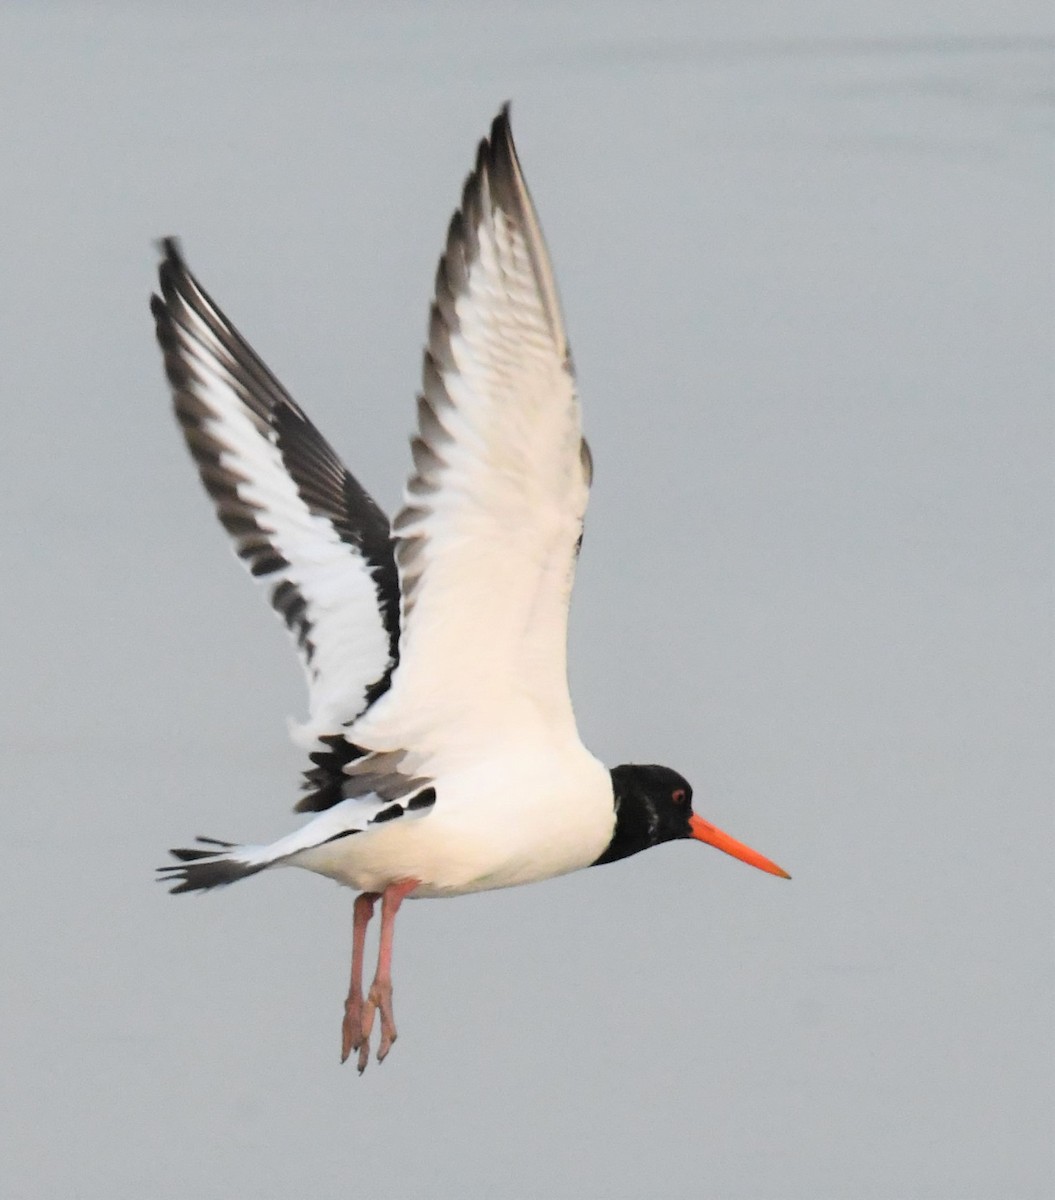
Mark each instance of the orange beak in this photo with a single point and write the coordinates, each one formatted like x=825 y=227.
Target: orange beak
x=704 y=831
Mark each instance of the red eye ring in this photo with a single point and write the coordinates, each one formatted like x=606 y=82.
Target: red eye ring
x=678 y=795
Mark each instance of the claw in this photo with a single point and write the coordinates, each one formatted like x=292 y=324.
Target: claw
x=364 y=1057
x=387 y=1038
x=366 y=1027
x=388 y=1021
x=351 y=1028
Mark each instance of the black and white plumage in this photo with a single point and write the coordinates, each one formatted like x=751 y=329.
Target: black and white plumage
x=446 y=757
x=299 y=520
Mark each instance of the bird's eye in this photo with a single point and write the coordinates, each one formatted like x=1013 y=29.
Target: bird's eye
x=678 y=795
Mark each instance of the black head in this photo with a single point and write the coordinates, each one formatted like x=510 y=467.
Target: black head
x=653 y=805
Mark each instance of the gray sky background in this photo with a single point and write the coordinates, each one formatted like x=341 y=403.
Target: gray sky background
x=805 y=253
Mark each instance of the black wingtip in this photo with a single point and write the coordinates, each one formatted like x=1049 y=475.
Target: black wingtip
x=499 y=159
x=501 y=136
x=169 y=247
x=172 y=260
x=172 y=269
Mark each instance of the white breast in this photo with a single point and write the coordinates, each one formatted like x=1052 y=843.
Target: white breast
x=513 y=818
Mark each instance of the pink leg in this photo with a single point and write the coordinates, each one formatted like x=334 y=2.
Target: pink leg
x=380 y=996
x=351 y=1028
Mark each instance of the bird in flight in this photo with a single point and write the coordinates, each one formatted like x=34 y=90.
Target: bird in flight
x=445 y=757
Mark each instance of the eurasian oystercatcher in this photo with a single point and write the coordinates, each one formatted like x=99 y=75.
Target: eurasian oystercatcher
x=445 y=755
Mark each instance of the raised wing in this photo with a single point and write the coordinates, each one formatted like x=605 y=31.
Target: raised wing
x=487 y=540
x=302 y=524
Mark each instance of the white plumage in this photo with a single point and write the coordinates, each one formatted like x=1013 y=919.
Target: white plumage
x=485 y=548
x=445 y=754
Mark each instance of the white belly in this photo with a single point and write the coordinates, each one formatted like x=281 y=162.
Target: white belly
x=496 y=825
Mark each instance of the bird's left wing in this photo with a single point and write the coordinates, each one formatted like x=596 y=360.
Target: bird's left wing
x=488 y=537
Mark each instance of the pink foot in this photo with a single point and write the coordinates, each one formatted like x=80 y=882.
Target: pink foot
x=380 y=995
x=352 y=1025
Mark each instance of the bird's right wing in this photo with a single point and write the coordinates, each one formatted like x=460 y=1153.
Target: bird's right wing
x=302 y=524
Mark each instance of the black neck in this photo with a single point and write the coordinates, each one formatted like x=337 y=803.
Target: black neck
x=653 y=804
x=636 y=820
